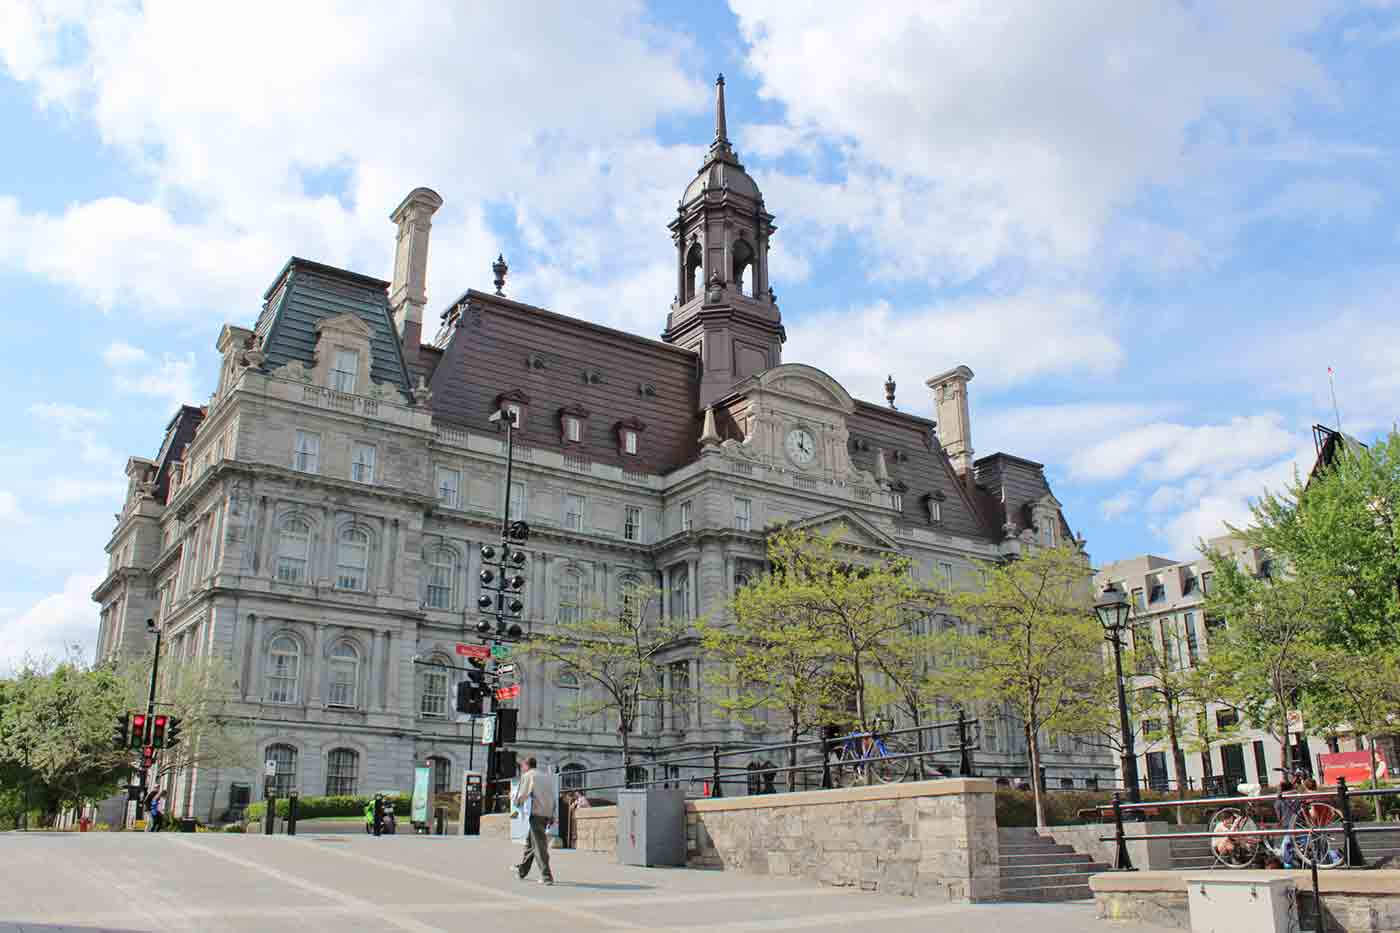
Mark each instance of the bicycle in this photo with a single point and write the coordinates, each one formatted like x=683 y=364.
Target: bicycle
x=873 y=754
x=1237 y=842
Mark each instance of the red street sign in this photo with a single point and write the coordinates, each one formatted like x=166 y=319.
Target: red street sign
x=480 y=652
x=508 y=693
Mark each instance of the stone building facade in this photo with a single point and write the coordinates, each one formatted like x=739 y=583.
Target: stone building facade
x=1169 y=620
x=318 y=523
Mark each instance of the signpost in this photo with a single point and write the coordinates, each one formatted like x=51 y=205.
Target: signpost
x=480 y=652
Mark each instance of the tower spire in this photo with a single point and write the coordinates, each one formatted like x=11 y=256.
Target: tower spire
x=721 y=132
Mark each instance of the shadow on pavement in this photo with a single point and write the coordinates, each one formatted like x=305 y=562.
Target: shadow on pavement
x=595 y=886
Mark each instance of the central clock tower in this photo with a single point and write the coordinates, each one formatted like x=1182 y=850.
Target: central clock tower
x=724 y=310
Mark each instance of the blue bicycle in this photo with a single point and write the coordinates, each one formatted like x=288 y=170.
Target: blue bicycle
x=863 y=756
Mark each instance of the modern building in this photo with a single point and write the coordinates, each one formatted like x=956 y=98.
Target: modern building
x=1167 y=599
x=318 y=522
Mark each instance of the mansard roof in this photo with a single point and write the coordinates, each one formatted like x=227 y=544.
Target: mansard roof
x=178 y=432
x=495 y=345
x=306 y=293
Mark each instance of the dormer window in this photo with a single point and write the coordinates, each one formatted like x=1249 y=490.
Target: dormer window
x=346 y=370
x=629 y=437
x=897 y=491
x=516 y=405
x=933 y=506
x=571 y=425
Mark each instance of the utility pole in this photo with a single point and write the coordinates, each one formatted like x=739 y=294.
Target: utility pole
x=151 y=627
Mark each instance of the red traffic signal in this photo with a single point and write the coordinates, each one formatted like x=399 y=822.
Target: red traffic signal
x=158 y=731
x=138 y=730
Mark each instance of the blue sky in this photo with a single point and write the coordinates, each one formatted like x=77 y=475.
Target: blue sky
x=1149 y=228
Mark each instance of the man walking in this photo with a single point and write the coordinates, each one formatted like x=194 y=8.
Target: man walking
x=537 y=791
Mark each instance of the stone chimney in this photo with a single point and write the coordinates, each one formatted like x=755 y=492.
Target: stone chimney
x=408 y=292
x=954 y=423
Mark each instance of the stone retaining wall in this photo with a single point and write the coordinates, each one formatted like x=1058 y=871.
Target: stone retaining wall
x=1147 y=854
x=934 y=839
x=1353 y=901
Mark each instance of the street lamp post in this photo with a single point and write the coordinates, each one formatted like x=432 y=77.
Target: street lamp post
x=151 y=628
x=1112 y=610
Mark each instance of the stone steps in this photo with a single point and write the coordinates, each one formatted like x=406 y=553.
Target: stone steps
x=1035 y=868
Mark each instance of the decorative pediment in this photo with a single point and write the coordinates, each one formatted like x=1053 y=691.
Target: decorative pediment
x=854 y=531
x=347 y=324
x=797 y=380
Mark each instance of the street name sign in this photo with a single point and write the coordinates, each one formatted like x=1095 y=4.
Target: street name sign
x=480 y=652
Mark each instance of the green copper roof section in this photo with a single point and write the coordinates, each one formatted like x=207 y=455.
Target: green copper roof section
x=306 y=293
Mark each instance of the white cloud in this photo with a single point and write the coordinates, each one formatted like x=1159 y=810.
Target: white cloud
x=234 y=135
x=53 y=625
x=121 y=353
x=1169 y=451
x=75 y=426
x=1052 y=433
x=10 y=512
x=172 y=380
x=1206 y=504
x=1030 y=132
x=1118 y=505
x=67 y=490
x=1055 y=334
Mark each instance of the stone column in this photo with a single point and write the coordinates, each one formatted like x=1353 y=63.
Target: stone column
x=693 y=570
x=391 y=672
x=473 y=587
x=665 y=592
x=252 y=684
x=316 y=668
x=375 y=700
x=325 y=557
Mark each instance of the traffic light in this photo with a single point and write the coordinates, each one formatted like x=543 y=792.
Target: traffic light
x=121 y=731
x=172 y=732
x=158 y=731
x=505 y=726
x=138 y=730
x=468 y=698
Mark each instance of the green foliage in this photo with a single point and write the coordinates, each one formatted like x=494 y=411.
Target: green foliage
x=309 y=808
x=618 y=657
x=1018 y=807
x=1031 y=643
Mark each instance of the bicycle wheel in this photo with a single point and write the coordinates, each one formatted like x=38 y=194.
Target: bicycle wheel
x=890 y=770
x=1237 y=846
x=848 y=770
x=1327 y=849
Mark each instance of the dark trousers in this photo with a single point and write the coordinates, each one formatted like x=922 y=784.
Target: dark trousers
x=536 y=847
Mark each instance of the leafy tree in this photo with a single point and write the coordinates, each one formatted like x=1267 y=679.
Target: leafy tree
x=858 y=605
x=619 y=657
x=1357 y=692
x=56 y=734
x=910 y=664
x=1262 y=661
x=1167 y=689
x=1032 y=644
x=771 y=656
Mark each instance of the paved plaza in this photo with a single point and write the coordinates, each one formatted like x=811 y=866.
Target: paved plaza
x=211 y=882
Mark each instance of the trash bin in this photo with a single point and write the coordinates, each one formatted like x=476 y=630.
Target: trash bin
x=186 y=825
x=1242 y=900
x=651 y=826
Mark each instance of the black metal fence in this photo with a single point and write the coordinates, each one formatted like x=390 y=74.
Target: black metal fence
x=710 y=772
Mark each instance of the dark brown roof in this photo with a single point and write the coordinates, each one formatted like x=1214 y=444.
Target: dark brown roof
x=178 y=432
x=499 y=346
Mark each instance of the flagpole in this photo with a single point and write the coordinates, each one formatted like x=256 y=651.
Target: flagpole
x=1337 y=412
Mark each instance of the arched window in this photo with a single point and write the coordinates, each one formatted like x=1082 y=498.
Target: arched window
x=743 y=262
x=433 y=683
x=680 y=593
x=441 y=774
x=293 y=551
x=569 y=692
x=631 y=599
x=442 y=577
x=344 y=675
x=352 y=560
x=571 y=777
x=342 y=772
x=694 y=266
x=283 y=666
x=285 y=758
x=570 y=593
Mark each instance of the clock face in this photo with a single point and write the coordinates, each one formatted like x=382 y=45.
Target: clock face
x=801 y=446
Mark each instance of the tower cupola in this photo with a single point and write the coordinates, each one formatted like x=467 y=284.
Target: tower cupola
x=725 y=309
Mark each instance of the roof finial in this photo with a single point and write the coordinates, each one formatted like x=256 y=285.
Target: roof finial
x=500 y=268
x=721 y=131
x=889 y=389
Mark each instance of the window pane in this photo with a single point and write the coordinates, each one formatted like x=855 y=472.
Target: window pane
x=448 y=484
x=344 y=673
x=629 y=441
x=308 y=452
x=632 y=524
x=293 y=548
x=283 y=663
x=286 y=758
x=569 y=591
x=685 y=516
x=573 y=512
x=743 y=509
x=341 y=767
x=352 y=559
x=434 y=701
x=362 y=464
x=347 y=363
x=442 y=577
x=517 y=500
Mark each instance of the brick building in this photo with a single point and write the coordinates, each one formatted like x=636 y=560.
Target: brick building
x=318 y=523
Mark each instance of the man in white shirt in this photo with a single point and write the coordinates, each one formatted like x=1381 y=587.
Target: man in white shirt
x=538 y=789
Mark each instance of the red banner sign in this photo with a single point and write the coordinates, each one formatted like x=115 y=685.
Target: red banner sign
x=1354 y=766
x=508 y=693
x=480 y=652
